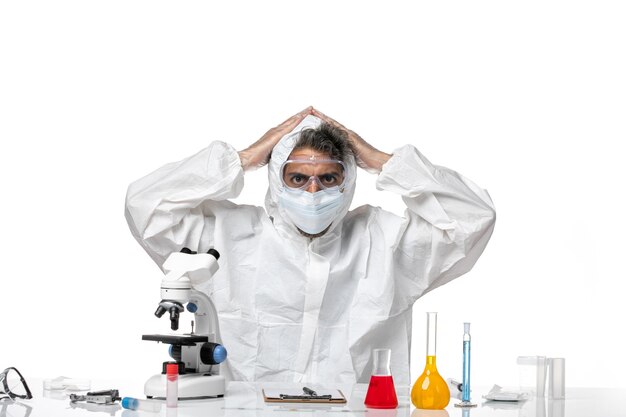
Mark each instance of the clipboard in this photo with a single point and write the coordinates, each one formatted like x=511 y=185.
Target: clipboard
x=291 y=395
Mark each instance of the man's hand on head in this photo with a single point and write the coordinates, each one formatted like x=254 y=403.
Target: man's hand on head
x=258 y=154
x=367 y=157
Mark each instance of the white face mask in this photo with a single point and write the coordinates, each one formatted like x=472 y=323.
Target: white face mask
x=311 y=212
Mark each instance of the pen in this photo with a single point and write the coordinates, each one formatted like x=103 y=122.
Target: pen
x=309 y=391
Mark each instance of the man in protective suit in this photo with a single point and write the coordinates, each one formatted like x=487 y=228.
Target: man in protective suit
x=306 y=288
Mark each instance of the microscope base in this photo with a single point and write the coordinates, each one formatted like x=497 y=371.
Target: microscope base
x=190 y=386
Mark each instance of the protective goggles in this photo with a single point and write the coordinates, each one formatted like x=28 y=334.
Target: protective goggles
x=313 y=175
x=13 y=385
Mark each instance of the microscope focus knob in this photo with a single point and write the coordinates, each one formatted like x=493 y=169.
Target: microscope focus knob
x=213 y=353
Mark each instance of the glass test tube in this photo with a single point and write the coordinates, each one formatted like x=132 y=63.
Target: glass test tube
x=466 y=362
x=171 y=392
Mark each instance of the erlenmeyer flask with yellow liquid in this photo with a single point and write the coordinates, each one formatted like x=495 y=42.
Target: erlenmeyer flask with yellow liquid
x=430 y=391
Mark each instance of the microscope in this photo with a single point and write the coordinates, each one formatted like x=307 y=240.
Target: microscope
x=198 y=354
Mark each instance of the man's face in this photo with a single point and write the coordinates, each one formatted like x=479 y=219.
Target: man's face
x=316 y=171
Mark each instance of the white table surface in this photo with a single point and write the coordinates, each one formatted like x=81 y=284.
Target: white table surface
x=246 y=400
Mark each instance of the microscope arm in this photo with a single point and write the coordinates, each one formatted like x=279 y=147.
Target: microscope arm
x=205 y=314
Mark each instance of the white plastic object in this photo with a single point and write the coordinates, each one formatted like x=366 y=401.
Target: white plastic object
x=533 y=371
x=556 y=378
x=65 y=383
x=498 y=394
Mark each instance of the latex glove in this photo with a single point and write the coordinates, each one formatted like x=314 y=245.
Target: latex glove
x=258 y=154
x=367 y=157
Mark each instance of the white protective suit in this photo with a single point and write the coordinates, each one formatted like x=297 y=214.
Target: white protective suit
x=298 y=309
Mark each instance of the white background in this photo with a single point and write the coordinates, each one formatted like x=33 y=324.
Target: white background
x=525 y=98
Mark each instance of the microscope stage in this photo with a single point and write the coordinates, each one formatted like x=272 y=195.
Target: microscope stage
x=183 y=340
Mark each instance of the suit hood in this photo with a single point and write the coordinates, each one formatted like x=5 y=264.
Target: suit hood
x=279 y=155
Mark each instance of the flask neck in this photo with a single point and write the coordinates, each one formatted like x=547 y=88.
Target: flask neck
x=431 y=366
x=431 y=335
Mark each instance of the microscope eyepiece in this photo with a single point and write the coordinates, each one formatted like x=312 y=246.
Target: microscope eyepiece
x=211 y=251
